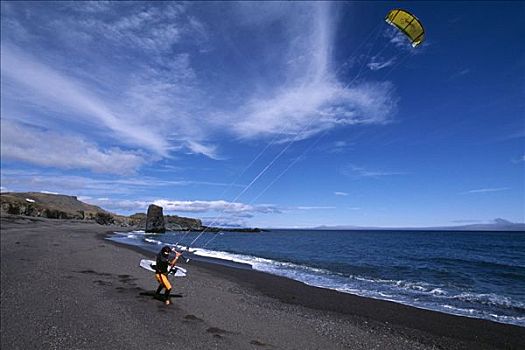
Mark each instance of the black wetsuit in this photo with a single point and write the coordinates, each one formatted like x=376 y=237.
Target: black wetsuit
x=162 y=263
x=161 y=272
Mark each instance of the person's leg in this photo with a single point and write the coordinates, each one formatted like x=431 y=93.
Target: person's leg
x=159 y=289
x=158 y=277
x=167 y=285
x=167 y=296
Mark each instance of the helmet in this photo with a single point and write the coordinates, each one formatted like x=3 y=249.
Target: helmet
x=165 y=250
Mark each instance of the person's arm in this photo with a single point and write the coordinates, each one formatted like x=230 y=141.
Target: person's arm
x=174 y=261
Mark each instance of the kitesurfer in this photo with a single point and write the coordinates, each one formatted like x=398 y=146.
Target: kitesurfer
x=162 y=267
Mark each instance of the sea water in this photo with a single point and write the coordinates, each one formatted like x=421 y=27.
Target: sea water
x=474 y=274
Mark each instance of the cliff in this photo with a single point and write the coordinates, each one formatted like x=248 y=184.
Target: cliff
x=52 y=206
x=57 y=206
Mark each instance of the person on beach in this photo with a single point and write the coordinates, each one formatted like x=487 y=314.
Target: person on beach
x=161 y=272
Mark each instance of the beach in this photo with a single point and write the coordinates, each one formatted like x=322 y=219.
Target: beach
x=64 y=286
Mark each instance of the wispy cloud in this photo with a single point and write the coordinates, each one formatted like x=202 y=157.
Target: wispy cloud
x=139 y=82
x=315 y=107
x=199 y=148
x=357 y=171
x=53 y=90
x=339 y=146
x=460 y=73
x=520 y=159
x=51 y=149
x=378 y=63
x=216 y=206
x=487 y=190
x=344 y=194
x=221 y=207
x=23 y=180
x=311 y=99
x=314 y=207
x=130 y=85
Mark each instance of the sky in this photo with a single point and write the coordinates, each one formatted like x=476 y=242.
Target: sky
x=268 y=114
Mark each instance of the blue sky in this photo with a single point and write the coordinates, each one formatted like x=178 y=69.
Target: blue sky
x=268 y=114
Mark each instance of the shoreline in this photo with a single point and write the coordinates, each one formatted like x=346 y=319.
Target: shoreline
x=245 y=263
x=366 y=308
x=80 y=290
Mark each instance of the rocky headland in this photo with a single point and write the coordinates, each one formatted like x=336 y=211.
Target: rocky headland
x=57 y=206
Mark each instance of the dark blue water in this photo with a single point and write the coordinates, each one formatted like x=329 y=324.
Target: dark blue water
x=475 y=274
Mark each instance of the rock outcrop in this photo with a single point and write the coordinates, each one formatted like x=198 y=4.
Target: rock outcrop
x=179 y=223
x=57 y=206
x=155 y=220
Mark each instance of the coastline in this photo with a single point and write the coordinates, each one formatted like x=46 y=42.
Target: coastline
x=81 y=290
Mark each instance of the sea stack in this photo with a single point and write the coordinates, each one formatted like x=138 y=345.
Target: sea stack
x=155 y=220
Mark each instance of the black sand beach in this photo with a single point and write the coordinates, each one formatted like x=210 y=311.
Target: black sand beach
x=63 y=286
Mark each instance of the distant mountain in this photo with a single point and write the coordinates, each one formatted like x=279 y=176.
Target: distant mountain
x=498 y=225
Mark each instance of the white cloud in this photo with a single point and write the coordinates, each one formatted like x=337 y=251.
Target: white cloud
x=28 y=181
x=4 y=189
x=397 y=38
x=49 y=192
x=138 y=83
x=118 y=205
x=377 y=63
x=47 y=87
x=216 y=206
x=357 y=171
x=487 y=190
x=130 y=85
x=311 y=99
x=314 y=207
x=227 y=221
x=317 y=106
x=344 y=194
x=198 y=148
x=336 y=147
x=51 y=149
x=223 y=208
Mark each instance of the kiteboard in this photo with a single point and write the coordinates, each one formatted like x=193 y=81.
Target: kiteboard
x=150 y=266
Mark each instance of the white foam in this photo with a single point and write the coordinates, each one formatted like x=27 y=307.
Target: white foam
x=414 y=293
x=154 y=241
x=132 y=233
x=489 y=299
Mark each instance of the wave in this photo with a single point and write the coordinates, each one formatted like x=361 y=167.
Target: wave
x=154 y=241
x=491 y=299
x=435 y=297
x=431 y=296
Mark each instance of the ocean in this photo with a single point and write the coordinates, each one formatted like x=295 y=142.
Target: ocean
x=473 y=274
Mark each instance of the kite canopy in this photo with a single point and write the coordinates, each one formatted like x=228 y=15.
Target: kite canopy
x=408 y=24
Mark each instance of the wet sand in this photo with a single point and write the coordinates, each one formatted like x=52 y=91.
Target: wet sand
x=63 y=286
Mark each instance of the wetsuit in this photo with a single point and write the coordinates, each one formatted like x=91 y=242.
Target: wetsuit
x=161 y=274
